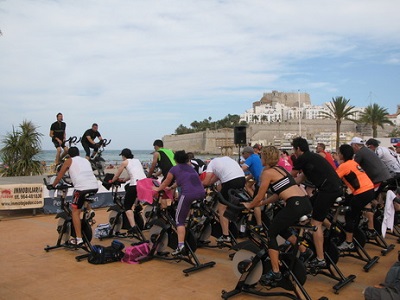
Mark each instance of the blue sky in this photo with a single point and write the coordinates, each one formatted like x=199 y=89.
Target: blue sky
x=141 y=68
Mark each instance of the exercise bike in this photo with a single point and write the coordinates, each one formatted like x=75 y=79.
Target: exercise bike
x=204 y=221
x=251 y=262
x=117 y=217
x=163 y=236
x=331 y=252
x=65 y=228
x=377 y=239
x=337 y=235
x=97 y=161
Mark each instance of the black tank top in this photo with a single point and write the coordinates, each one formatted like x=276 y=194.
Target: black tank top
x=284 y=183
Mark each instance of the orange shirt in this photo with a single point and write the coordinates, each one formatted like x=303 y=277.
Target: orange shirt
x=354 y=177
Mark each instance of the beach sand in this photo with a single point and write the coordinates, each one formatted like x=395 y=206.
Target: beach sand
x=29 y=272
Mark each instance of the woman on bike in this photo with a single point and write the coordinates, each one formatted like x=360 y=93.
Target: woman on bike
x=285 y=188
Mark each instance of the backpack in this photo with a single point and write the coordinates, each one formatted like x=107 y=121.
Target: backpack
x=102 y=255
x=134 y=254
x=102 y=230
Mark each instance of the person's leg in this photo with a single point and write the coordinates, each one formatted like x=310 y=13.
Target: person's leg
x=129 y=200
x=58 y=155
x=65 y=152
x=87 y=150
x=223 y=221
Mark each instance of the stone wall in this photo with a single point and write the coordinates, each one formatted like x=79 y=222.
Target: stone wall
x=221 y=141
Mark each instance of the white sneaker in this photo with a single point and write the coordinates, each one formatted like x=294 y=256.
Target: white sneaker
x=76 y=241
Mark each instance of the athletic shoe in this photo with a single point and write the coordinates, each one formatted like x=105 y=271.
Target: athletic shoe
x=371 y=234
x=316 y=263
x=306 y=255
x=224 y=239
x=133 y=230
x=179 y=251
x=90 y=214
x=76 y=241
x=271 y=276
x=345 y=246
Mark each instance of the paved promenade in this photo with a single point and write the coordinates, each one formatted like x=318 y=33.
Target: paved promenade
x=29 y=272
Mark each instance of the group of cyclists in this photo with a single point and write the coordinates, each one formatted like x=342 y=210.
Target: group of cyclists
x=363 y=167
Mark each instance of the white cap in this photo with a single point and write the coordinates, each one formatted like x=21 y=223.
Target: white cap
x=357 y=140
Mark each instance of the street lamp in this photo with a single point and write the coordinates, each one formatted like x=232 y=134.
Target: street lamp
x=298 y=98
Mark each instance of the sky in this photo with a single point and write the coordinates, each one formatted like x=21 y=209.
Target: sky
x=141 y=68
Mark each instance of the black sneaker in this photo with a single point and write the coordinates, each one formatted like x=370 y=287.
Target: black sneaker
x=371 y=234
x=316 y=263
x=133 y=230
x=306 y=255
x=270 y=277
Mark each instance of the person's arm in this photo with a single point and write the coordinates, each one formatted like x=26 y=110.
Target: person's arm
x=153 y=164
x=61 y=173
x=119 y=171
x=165 y=183
x=209 y=179
x=265 y=182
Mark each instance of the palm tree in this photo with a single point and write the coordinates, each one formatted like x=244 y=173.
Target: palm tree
x=375 y=116
x=339 y=110
x=19 y=148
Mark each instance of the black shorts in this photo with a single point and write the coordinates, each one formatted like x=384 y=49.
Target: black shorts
x=237 y=183
x=323 y=201
x=79 y=197
x=57 y=144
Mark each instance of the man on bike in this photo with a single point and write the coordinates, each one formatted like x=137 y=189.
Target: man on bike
x=88 y=140
x=84 y=182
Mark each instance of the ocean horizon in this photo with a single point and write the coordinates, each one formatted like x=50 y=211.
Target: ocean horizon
x=111 y=157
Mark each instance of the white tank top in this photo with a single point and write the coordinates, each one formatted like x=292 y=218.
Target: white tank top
x=81 y=174
x=135 y=170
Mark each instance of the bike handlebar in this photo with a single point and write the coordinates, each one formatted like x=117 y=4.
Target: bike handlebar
x=60 y=186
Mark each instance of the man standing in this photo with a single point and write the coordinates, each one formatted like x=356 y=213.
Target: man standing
x=58 y=137
x=88 y=140
x=321 y=174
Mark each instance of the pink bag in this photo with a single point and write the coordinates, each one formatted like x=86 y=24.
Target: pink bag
x=134 y=254
x=145 y=190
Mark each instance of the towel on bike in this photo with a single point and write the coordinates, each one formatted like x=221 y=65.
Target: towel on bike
x=388 y=216
x=145 y=190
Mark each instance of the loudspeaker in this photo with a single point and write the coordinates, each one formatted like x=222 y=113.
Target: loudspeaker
x=239 y=135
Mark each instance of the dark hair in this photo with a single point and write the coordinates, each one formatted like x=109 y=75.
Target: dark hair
x=73 y=151
x=94 y=124
x=300 y=143
x=346 y=151
x=190 y=155
x=372 y=142
x=285 y=152
x=181 y=157
x=158 y=143
x=58 y=114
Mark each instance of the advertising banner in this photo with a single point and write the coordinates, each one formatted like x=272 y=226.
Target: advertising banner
x=21 y=196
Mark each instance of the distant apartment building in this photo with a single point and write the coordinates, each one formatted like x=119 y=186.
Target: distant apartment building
x=280 y=107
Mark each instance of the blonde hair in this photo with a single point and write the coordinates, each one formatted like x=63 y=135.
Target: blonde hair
x=271 y=155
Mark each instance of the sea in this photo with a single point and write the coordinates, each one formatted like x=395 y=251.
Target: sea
x=111 y=157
